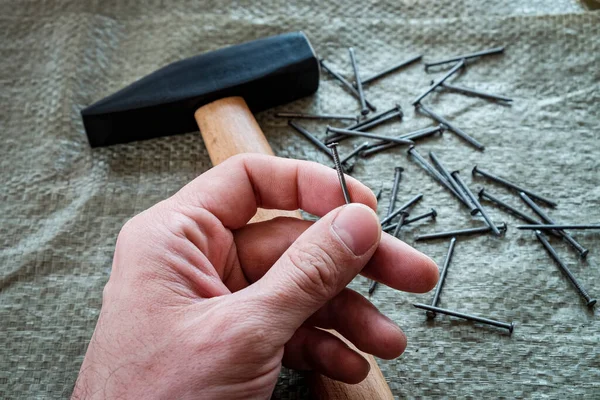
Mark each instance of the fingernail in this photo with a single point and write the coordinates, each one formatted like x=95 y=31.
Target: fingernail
x=357 y=227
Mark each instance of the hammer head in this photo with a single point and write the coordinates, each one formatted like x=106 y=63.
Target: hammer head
x=265 y=72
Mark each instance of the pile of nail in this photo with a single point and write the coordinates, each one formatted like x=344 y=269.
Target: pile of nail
x=398 y=217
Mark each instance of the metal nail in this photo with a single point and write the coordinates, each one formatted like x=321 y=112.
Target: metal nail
x=403 y=207
x=391 y=69
x=432 y=171
x=408 y=221
x=316 y=116
x=443 y=272
x=583 y=252
x=372 y=122
x=451 y=127
x=444 y=171
x=403 y=216
x=589 y=300
x=495 y=50
x=474 y=92
x=361 y=94
x=338 y=168
x=510 y=326
x=467 y=191
x=312 y=138
x=354 y=152
x=430 y=89
x=421 y=133
x=397 y=177
x=348 y=132
x=511 y=185
x=347 y=84
x=484 y=194
x=372 y=287
x=378 y=194
x=551 y=227
x=460 y=232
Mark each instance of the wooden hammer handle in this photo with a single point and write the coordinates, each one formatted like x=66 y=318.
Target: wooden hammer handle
x=229 y=128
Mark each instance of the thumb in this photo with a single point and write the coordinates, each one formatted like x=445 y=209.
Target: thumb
x=318 y=265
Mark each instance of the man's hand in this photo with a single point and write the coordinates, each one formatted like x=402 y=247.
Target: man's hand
x=201 y=304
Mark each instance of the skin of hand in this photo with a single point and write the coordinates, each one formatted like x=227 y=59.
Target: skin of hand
x=202 y=304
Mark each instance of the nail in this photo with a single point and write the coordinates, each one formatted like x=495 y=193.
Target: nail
x=312 y=138
x=354 y=152
x=430 y=214
x=483 y=194
x=473 y=92
x=589 y=300
x=421 y=133
x=460 y=232
x=432 y=171
x=403 y=216
x=495 y=50
x=551 y=227
x=511 y=185
x=391 y=69
x=378 y=194
x=458 y=66
x=316 y=116
x=461 y=195
x=372 y=287
x=438 y=289
x=361 y=95
x=451 y=127
x=369 y=123
x=403 y=207
x=470 y=317
x=583 y=252
x=397 y=178
x=467 y=191
x=338 y=168
x=348 y=132
x=347 y=84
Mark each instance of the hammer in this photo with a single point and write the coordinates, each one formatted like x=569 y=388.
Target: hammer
x=219 y=91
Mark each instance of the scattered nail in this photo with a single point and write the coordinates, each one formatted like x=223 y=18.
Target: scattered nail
x=474 y=200
x=403 y=207
x=391 y=69
x=432 y=171
x=316 y=116
x=487 y=321
x=421 y=133
x=438 y=289
x=348 y=132
x=495 y=50
x=451 y=127
x=354 y=152
x=347 y=84
x=458 y=66
x=460 y=232
x=511 y=185
x=589 y=300
x=583 y=252
x=553 y=227
x=312 y=138
x=397 y=178
x=444 y=171
x=361 y=95
x=477 y=93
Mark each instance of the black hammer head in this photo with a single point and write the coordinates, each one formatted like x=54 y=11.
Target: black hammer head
x=265 y=72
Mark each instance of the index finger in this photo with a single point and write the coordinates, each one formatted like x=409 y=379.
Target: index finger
x=234 y=189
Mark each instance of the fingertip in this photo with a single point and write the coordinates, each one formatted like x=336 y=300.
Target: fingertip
x=357 y=226
x=430 y=272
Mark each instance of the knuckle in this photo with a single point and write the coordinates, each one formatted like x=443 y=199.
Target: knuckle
x=315 y=270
